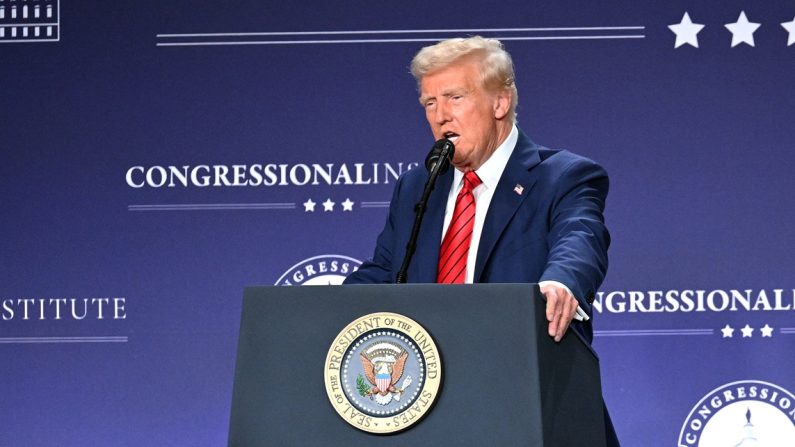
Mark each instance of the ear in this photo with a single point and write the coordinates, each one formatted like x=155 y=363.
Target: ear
x=502 y=103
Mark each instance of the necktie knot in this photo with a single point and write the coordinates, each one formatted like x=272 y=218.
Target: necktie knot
x=471 y=180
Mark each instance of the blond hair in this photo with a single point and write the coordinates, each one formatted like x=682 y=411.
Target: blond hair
x=496 y=65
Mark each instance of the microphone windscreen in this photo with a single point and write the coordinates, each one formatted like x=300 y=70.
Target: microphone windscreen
x=442 y=148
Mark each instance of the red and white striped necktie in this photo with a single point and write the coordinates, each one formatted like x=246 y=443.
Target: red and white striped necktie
x=455 y=246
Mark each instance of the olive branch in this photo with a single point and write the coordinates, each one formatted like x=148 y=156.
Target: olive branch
x=362 y=387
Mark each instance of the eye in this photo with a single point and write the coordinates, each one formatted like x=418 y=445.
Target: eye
x=429 y=104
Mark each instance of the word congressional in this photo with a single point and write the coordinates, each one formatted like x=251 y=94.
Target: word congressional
x=299 y=174
x=695 y=301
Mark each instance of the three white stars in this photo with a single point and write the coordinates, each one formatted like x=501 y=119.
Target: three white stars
x=742 y=30
x=328 y=205
x=747 y=331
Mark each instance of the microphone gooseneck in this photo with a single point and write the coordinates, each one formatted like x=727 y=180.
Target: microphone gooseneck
x=437 y=162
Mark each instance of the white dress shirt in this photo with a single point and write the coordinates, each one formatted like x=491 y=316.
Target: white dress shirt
x=489 y=173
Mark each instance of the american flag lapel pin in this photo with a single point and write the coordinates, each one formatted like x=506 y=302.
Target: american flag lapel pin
x=518 y=189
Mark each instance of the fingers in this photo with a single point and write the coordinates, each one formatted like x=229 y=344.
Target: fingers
x=560 y=310
x=553 y=303
x=569 y=309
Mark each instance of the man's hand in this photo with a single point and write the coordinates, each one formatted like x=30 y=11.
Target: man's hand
x=561 y=307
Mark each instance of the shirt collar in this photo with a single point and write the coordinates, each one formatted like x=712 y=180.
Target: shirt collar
x=491 y=171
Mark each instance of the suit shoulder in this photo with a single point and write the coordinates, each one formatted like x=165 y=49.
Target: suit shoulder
x=564 y=160
x=416 y=173
x=410 y=184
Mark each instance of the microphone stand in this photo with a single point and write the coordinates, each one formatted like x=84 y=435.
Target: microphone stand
x=445 y=154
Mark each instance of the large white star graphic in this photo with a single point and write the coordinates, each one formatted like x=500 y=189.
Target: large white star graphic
x=309 y=206
x=328 y=205
x=347 y=205
x=766 y=330
x=728 y=331
x=742 y=30
x=790 y=27
x=747 y=331
x=686 y=31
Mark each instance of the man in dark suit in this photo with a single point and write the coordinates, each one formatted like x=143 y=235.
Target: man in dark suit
x=511 y=210
x=538 y=212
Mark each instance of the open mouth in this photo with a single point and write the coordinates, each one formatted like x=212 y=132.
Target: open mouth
x=452 y=136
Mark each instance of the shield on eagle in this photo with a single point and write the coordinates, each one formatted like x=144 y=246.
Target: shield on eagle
x=383 y=364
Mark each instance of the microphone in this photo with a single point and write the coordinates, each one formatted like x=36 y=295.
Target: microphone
x=437 y=162
x=441 y=152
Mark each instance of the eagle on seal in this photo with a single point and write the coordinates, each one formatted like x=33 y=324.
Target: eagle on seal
x=384 y=375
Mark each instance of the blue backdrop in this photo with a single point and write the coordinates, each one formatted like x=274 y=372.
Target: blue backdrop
x=157 y=157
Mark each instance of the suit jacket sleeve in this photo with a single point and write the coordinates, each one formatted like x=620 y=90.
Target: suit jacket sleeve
x=380 y=269
x=578 y=238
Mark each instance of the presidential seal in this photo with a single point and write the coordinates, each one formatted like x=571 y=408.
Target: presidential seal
x=383 y=373
x=743 y=413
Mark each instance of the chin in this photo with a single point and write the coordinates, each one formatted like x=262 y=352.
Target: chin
x=462 y=166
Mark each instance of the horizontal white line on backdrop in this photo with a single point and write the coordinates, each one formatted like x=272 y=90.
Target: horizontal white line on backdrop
x=343 y=41
x=653 y=332
x=211 y=206
x=26 y=340
x=406 y=31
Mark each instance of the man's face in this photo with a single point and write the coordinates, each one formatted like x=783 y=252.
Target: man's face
x=459 y=108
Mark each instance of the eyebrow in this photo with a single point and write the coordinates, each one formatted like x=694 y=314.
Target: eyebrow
x=446 y=94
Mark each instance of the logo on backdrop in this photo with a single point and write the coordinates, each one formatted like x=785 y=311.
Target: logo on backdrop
x=74 y=309
x=735 y=314
x=320 y=201
x=382 y=373
x=744 y=413
x=35 y=315
x=29 y=22
x=265 y=175
x=695 y=301
x=319 y=270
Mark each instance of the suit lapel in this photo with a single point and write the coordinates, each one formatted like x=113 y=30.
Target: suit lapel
x=514 y=186
x=426 y=258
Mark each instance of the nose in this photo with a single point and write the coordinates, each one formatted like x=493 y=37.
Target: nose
x=441 y=114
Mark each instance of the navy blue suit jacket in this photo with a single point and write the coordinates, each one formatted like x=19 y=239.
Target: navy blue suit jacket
x=552 y=230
